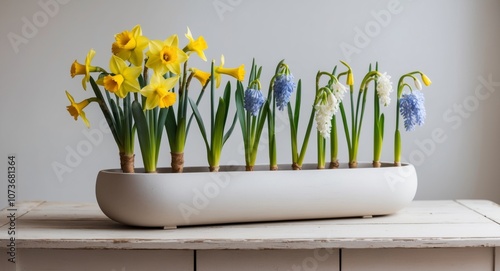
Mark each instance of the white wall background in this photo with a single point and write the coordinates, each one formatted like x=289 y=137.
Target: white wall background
x=455 y=42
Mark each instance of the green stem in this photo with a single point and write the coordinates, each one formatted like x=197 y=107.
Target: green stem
x=334 y=140
x=321 y=150
x=212 y=106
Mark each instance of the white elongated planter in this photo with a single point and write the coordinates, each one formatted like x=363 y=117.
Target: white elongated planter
x=198 y=197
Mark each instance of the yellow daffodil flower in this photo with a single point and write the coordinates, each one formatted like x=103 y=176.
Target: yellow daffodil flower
x=123 y=78
x=238 y=73
x=426 y=80
x=166 y=56
x=76 y=109
x=158 y=93
x=197 y=45
x=202 y=76
x=129 y=45
x=77 y=68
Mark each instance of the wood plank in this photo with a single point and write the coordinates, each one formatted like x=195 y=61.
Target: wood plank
x=438 y=259
x=19 y=209
x=486 y=208
x=94 y=235
x=268 y=260
x=423 y=224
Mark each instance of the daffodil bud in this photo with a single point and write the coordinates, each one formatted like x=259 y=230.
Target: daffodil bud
x=350 y=79
x=426 y=80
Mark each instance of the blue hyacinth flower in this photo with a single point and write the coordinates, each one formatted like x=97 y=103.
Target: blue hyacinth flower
x=412 y=109
x=283 y=88
x=253 y=101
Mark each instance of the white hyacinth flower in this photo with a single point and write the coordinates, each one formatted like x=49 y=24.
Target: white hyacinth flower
x=384 y=88
x=325 y=109
x=339 y=91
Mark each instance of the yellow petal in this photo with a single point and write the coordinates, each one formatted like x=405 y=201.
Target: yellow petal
x=152 y=102
x=137 y=31
x=172 y=41
x=116 y=64
x=189 y=36
x=202 y=76
x=171 y=82
x=85 y=120
x=70 y=98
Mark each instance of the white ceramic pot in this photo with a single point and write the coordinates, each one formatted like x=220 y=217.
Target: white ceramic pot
x=198 y=197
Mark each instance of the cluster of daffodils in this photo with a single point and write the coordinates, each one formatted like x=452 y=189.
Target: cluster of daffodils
x=146 y=90
x=138 y=92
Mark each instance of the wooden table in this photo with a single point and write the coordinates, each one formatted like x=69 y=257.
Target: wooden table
x=427 y=235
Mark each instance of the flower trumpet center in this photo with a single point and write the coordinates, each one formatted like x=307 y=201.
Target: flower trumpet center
x=168 y=55
x=76 y=109
x=167 y=100
x=77 y=68
x=113 y=82
x=126 y=40
x=73 y=111
x=238 y=73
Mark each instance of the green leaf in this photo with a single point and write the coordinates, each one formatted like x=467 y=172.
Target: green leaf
x=251 y=77
x=381 y=127
x=227 y=100
x=171 y=127
x=293 y=134
x=199 y=120
x=306 y=137
x=106 y=113
x=298 y=99
x=197 y=103
x=116 y=116
x=230 y=131
x=346 y=128
x=259 y=72
x=240 y=108
x=218 y=133
x=260 y=127
x=142 y=133
x=162 y=117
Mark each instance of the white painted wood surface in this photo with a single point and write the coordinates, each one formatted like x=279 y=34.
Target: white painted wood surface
x=424 y=224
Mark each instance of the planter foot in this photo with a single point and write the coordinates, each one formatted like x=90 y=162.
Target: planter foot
x=170 y=227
